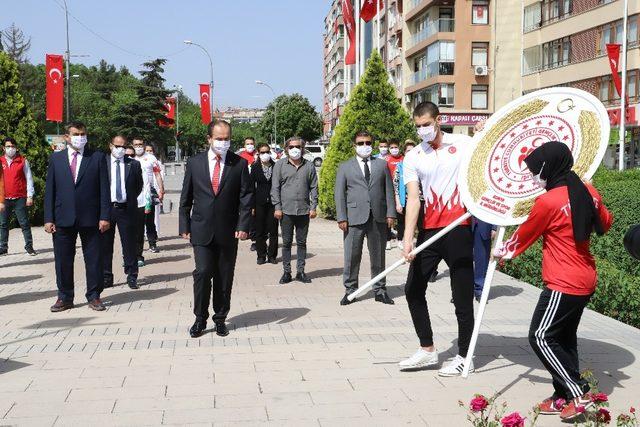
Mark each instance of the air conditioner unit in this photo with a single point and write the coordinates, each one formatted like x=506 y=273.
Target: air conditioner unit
x=481 y=70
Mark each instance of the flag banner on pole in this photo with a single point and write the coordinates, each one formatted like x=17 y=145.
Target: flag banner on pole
x=54 y=87
x=369 y=10
x=495 y=183
x=613 y=52
x=205 y=106
x=350 y=25
x=168 y=120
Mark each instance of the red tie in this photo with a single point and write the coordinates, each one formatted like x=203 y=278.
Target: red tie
x=215 y=180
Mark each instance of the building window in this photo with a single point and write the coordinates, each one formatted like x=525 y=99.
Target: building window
x=480 y=12
x=479 y=97
x=479 y=53
x=552 y=10
x=612 y=33
x=532 y=17
x=446 y=95
x=556 y=53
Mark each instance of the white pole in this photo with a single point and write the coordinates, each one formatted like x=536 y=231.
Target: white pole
x=358 y=38
x=483 y=303
x=623 y=93
x=416 y=251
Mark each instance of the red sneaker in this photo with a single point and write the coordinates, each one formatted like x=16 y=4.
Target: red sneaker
x=551 y=406
x=576 y=407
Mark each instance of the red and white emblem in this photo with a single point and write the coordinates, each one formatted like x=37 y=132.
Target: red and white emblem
x=508 y=173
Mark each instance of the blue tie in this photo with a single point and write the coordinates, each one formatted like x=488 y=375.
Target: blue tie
x=118 y=183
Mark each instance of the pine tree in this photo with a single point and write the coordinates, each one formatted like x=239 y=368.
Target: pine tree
x=17 y=122
x=16 y=44
x=373 y=107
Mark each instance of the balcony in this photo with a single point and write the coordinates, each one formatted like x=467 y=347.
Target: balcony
x=414 y=8
x=436 y=68
x=443 y=25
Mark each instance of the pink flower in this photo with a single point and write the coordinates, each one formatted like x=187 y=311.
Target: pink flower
x=599 y=397
x=580 y=409
x=603 y=416
x=559 y=403
x=513 y=420
x=632 y=410
x=478 y=403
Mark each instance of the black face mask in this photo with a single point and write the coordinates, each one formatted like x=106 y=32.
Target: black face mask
x=129 y=156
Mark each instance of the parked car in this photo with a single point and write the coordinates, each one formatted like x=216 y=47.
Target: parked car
x=315 y=154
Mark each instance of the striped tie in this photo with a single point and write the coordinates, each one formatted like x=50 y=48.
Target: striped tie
x=215 y=180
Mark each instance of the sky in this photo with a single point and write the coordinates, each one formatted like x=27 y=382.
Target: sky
x=277 y=41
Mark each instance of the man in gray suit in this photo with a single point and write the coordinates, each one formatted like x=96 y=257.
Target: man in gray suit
x=365 y=206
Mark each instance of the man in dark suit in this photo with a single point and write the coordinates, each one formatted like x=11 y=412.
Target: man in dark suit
x=218 y=188
x=263 y=210
x=125 y=183
x=76 y=202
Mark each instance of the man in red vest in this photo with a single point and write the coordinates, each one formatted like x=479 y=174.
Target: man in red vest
x=18 y=194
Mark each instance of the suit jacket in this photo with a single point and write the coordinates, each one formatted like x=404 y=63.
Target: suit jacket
x=83 y=203
x=215 y=217
x=133 y=181
x=261 y=185
x=355 y=199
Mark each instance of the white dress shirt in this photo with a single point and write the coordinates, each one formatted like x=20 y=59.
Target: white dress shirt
x=361 y=164
x=27 y=174
x=123 y=187
x=70 y=152
x=212 y=163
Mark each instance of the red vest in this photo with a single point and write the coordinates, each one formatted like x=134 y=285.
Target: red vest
x=15 y=181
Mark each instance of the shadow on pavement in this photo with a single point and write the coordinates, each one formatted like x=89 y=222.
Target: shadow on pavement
x=504 y=291
x=19 y=279
x=161 y=278
x=262 y=317
x=163 y=259
x=60 y=323
x=175 y=246
x=327 y=272
x=136 y=296
x=11 y=365
x=31 y=261
x=27 y=297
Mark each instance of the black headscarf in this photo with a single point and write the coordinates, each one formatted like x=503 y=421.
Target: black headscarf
x=558 y=161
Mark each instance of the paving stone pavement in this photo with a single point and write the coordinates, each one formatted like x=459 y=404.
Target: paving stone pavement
x=294 y=356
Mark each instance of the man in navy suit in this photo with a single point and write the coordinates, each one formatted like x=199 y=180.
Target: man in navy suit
x=77 y=202
x=125 y=183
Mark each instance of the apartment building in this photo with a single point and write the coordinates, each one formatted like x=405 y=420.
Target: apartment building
x=447 y=59
x=333 y=66
x=564 y=44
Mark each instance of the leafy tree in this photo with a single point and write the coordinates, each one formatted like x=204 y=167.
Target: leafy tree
x=242 y=131
x=373 y=107
x=296 y=117
x=16 y=121
x=193 y=133
x=15 y=44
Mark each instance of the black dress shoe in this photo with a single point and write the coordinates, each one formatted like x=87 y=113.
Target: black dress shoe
x=434 y=276
x=384 y=298
x=108 y=284
x=4 y=251
x=272 y=261
x=253 y=247
x=345 y=300
x=30 y=251
x=153 y=248
x=302 y=277
x=261 y=261
x=286 y=278
x=197 y=329
x=221 y=329
x=133 y=283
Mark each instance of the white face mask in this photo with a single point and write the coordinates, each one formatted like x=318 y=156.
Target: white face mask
x=220 y=147
x=395 y=152
x=265 y=157
x=78 y=141
x=427 y=134
x=384 y=151
x=139 y=151
x=274 y=156
x=537 y=179
x=295 y=153
x=117 y=152
x=10 y=152
x=363 y=151
x=60 y=146
x=250 y=148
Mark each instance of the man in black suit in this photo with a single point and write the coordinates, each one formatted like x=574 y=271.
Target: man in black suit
x=263 y=210
x=76 y=202
x=218 y=188
x=125 y=181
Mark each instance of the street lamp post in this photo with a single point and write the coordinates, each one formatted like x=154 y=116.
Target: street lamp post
x=179 y=91
x=189 y=42
x=68 y=55
x=275 y=106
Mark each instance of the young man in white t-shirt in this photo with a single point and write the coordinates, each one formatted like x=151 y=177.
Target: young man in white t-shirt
x=434 y=165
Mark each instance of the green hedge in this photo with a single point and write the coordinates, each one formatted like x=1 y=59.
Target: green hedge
x=618 y=292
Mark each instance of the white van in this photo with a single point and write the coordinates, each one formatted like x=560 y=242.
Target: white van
x=315 y=154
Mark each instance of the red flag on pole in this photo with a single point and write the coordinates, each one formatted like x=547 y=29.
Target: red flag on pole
x=350 y=25
x=613 y=52
x=169 y=118
x=205 y=106
x=55 y=87
x=369 y=9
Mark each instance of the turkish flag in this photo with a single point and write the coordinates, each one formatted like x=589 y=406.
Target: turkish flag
x=613 y=52
x=369 y=10
x=205 y=106
x=350 y=25
x=55 y=87
x=169 y=118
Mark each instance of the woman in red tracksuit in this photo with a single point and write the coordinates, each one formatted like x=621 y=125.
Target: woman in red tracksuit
x=565 y=216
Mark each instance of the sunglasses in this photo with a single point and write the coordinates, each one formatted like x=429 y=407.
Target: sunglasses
x=265 y=152
x=295 y=146
x=361 y=143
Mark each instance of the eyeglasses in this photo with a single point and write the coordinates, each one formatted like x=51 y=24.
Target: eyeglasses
x=295 y=146
x=265 y=152
x=363 y=143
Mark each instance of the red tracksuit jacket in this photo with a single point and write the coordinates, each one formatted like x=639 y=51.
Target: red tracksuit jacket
x=567 y=266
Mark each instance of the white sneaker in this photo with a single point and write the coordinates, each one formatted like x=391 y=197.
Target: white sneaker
x=420 y=359
x=389 y=245
x=455 y=367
